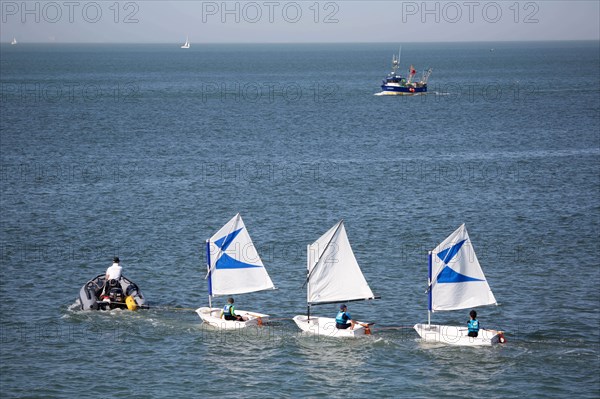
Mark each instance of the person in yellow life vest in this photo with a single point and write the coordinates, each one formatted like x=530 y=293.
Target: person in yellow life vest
x=228 y=311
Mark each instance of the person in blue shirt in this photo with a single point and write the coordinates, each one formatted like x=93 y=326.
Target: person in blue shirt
x=343 y=319
x=473 y=324
x=228 y=311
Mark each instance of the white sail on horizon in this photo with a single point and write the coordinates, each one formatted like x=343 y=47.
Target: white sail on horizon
x=458 y=281
x=333 y=271
x=187 y=43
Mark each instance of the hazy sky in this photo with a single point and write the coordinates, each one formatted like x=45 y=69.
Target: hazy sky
x=297 y=21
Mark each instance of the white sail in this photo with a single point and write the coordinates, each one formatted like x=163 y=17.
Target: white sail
x=235 y=267
x=187 y=43
x=333 y=272
x=457 y=279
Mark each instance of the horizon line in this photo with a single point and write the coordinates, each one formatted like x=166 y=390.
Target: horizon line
x=334 y=42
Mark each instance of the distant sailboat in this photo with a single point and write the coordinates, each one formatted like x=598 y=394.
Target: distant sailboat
x=456 y=281
x=187 y=43
x=14 y=41
x=234 y=267
x=333 y=276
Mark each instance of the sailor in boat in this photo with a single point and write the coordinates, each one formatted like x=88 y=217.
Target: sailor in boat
x=473 y=324
x=111 y=280
x=343 y=319
x=228 y=311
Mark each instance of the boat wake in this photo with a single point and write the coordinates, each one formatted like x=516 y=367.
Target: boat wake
x=392 y=93
x=75 y=306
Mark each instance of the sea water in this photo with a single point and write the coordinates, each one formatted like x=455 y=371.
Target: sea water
x=144 y=151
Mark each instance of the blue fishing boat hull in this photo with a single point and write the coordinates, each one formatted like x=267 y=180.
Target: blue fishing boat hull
x=404 y=89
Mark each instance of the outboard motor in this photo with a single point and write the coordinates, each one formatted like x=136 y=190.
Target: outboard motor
x=132 y=290
x=116 y=295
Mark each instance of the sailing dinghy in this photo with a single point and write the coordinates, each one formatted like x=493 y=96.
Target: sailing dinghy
x=234 y=267
x=456 y=281
x=333 y=276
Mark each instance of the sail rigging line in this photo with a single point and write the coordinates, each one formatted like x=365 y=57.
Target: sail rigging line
x=325 y=250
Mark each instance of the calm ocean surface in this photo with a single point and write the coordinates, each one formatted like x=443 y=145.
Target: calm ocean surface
x=145 y=151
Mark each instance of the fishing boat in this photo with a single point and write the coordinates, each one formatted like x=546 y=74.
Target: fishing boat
x=456 y=281
x=333 y=276
x=396 y=84
x=14 y=41
x=96 y=294
x=186 y=44
x=234 y=267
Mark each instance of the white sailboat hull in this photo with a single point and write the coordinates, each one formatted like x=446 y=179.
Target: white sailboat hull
x=454 y=335
x=212 y=316
x=326 y=326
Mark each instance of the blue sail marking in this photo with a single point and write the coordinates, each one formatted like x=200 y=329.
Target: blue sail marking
x=224 y=242
x=447 y=254
x=225 y=261
x=448 y=275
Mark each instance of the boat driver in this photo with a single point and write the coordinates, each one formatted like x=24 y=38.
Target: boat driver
x=112 y=273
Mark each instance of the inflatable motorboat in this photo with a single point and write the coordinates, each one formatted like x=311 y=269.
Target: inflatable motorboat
x=98 y=294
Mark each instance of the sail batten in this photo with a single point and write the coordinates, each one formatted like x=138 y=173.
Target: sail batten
x=234 y=264
x=333 y=271
x=457 y=280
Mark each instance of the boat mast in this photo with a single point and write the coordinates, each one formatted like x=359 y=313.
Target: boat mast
x=395 y=63
x=209 y=273
x=399 y=52
x=429 y=292
x=307 y=281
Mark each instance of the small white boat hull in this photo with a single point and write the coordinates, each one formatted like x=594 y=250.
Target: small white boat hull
x=212 y=316
x=326 y=326
x=454 y=335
